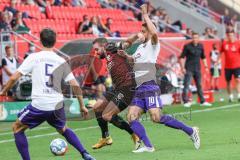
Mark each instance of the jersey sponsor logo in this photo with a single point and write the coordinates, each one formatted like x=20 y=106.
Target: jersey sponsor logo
x=234 y=48
x=138 y=55
x=227 y=47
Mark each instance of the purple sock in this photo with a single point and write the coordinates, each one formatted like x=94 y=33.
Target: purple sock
x=22 y=145
x=174 y=123
x=72 y=138
x=139 y=130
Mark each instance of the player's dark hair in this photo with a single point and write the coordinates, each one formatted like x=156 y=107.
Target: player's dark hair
x=229 y=31
x=195 y=33
x=8 y=47
x=48 y=37
x=100 y=40
x=145 y=25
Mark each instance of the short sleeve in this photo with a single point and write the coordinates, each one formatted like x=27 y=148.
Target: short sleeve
x=27 y=65
x=184 y=52
x=203 y=56
x=68 y=75
x=4 y=62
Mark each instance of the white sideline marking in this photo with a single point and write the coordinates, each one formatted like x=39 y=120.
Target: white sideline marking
x=49 y=134
x=39 y=128
x=93 y=127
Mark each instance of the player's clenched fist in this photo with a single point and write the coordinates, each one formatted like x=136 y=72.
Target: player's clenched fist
x=144 y=9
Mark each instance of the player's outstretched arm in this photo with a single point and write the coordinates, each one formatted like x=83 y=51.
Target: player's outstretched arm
x=151 y=27
x=129 y=41
x=123 y=54
x=11 y=82
x=78 y=93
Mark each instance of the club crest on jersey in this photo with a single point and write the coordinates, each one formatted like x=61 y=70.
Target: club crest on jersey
x=108 y=58
x=119 y=97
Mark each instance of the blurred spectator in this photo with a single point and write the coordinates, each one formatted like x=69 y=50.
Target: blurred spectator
x=67 y=2
x=189 y=33
x=13 y=10
x=31 y=49
x=18 y=24
x=28 y=2
x=9 y=64
x=108 y=28
x=105 y=28
x=215 y=67
x=45 y=3
x=74 y=3
x=81 y=3
x=226 y=17
x=208 y=34
x=12 y=7
x=85 y=25
x=94 y=27
x=203 y=3
x=45 y=6
x=161 y=19
x=5 y=24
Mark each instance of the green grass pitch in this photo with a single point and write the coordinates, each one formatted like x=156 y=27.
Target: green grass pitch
x=219 y=130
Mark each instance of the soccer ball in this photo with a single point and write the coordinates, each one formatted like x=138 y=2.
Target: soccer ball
x=58 y=147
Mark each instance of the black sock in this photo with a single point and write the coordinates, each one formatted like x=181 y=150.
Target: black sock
x=121 y=123
x=102 y=124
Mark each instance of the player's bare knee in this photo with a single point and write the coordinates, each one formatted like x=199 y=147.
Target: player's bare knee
x=14 y=127
x=95 y=108
x=107 y=117
x=18 y=127
x=61 y=131
x=155 y=118
x=132 y=117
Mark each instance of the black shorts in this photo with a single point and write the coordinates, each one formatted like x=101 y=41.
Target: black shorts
x=212 y=71
x=230 y=72
x=122 y=97
x=100 y=80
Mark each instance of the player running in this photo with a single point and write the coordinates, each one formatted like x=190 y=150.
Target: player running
x=47 y=69
x=147 y=94
x=108 y=106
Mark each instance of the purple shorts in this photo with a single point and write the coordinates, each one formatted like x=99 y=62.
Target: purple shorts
x=32 y=117
x=147 y=96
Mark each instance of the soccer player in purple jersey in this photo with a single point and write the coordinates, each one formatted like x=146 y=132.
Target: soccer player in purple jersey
x=47 y=69
x=147 y=93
